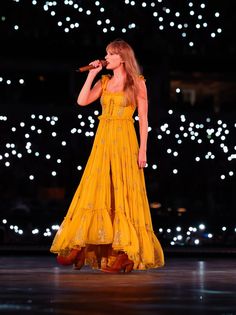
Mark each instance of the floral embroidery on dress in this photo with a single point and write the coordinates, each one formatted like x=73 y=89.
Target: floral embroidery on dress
x=117 y=238
x=101 y=235
x=89 y=205
x=79 y=236
x=120 y=111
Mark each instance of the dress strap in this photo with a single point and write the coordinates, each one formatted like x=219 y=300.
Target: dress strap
x=141 y=77
x=104 y=81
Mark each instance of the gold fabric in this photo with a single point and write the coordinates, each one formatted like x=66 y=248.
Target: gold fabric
x=110 y=211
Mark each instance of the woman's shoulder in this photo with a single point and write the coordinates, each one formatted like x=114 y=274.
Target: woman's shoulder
x=141 y=82
x=142 y=89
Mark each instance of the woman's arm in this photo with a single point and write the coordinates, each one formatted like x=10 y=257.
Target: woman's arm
x=142 y=103
x=87 y=94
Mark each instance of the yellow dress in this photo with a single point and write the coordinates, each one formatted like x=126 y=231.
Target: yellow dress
x=109 y=211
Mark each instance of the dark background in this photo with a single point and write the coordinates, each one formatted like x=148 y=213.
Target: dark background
x=45 y=56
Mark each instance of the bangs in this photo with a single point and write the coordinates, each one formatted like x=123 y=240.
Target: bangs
x=114 y=48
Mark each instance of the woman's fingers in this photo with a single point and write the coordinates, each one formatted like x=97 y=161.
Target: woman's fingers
x=96 y=63
x=142 y=164
x=97 y=66
x=142 y=158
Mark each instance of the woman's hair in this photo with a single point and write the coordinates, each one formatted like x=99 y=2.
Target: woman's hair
x=131 y=66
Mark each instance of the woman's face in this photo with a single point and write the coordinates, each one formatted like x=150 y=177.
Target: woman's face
x=113 y=59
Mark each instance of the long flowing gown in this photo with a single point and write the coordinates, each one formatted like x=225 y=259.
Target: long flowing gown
x=109 y=211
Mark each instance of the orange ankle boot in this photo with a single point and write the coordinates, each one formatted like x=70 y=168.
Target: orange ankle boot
x=68 y=259
x=80 y=260
x=122 y=263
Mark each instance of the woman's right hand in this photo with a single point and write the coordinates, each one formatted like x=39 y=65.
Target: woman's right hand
x=97 y=67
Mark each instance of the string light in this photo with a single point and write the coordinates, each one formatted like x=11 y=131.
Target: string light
x=70 y=15
x=177 y=236
x=217 y=137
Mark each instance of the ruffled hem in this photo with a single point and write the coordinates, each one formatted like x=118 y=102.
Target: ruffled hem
x=103 y=237
x=86 y=227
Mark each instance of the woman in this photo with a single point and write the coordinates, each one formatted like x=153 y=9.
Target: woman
x=108 y=224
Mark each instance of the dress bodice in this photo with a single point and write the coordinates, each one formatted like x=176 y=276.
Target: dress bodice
x=114 y=104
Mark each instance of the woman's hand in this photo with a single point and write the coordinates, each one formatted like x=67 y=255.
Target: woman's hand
x=97 y=67
x=142 y=158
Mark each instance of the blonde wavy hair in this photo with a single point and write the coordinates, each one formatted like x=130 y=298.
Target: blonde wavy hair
x=131 y=66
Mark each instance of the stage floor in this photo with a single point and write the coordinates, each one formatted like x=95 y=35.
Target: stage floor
x=37 y=285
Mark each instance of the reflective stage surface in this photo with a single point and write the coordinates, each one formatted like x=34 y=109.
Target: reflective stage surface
x=37 y=285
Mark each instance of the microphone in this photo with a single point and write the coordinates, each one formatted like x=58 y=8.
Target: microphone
x=90 y=67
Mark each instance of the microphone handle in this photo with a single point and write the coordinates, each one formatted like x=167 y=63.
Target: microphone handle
x=90 y=67
x=85 y=68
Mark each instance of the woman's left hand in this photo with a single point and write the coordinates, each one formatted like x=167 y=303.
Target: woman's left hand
x=142 y=158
